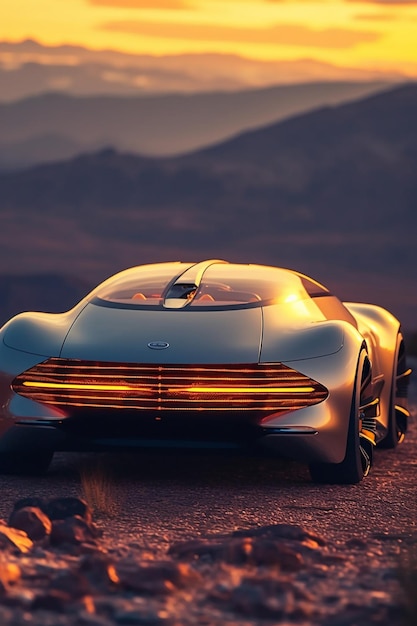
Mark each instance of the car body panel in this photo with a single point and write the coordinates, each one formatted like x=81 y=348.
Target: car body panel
x=38 y=333
x=286 y=339
x=193 y=337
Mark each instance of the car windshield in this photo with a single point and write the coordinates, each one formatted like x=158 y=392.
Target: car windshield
x=239 y=284
x=221 y=285
x=140 y=285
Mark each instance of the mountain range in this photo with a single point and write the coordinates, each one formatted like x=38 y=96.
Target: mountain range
x=332 y=193
x=56 y=126
x=29 y=68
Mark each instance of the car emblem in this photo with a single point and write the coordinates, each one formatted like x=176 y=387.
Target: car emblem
x=158 y=345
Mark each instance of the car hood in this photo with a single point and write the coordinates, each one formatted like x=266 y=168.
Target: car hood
x=103 y=333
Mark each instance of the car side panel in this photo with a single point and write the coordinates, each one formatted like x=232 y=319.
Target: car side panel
x=329 y=420
x=380 y=330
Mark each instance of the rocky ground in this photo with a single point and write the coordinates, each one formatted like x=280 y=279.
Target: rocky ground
x=279 y=551
x=58 y=569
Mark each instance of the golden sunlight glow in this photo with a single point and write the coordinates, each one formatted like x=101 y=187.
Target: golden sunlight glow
x=292 y=297
x=362 y=34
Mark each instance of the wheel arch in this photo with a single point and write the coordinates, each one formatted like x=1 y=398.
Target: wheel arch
x=382 y=333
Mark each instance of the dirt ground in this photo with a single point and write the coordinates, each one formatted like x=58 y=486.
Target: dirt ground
x=236 y=541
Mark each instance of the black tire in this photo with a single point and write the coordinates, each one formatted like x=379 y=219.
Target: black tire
x=25 y=463
x=359 y=451
x=397 y=419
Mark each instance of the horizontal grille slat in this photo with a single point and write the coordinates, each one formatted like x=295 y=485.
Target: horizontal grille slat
x=257 y=388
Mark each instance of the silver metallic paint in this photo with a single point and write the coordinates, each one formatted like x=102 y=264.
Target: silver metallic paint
x=297 y=335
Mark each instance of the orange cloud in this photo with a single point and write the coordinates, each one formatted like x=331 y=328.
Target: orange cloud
x=376 y=17
x=391 y=3
x=142 y=4
x=288 y=34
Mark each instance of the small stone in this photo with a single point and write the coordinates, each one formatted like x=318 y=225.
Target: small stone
x=252 y=601
x=157 y=578
x=292 y=532
x=262 y=552
x=10 y=573
x=195 y=548
x=20 y=597
x=61 y=508
x=71 y=582
x=71 y=530
x=14 y=539
x=32 y=521
x=52 y=600
x=266 y=598
x=98 y=569
x=242 y=551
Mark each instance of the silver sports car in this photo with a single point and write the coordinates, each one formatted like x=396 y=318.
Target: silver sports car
x=209 y=355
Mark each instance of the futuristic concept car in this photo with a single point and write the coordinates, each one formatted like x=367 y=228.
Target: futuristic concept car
x=206 y=355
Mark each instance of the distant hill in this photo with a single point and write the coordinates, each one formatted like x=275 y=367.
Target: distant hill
x=39 y=149
x=332 y=193
x=28 y=68
x=52 y=126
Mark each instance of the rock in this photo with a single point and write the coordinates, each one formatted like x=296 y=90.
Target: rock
x=266 y=598
x=10 y=573
x=39 y=503
x=14 y=539
x=32 y=520
x=195 y=548
x=51 y=600
x=73 y=531
x=282 y=531
x=241 y=551
x=72 y=582
x=98 y=569
x=133 y=610
x=253 y=601
x=275 y=574
x=262 y=552
x=155 y=578
x=57 y=508
x=61 y=508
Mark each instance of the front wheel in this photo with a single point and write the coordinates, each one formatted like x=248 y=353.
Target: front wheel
x=359 y=446
x=25 y=463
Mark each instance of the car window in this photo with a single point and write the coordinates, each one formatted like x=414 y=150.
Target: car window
x=225 y=285
x=222 y=285
x=144 y=285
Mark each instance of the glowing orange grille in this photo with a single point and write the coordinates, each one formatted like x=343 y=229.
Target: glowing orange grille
x=258 y=387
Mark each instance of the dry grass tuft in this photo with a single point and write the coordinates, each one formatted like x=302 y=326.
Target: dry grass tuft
x=98 y=486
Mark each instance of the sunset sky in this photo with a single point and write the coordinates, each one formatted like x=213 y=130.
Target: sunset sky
x=376 y=34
